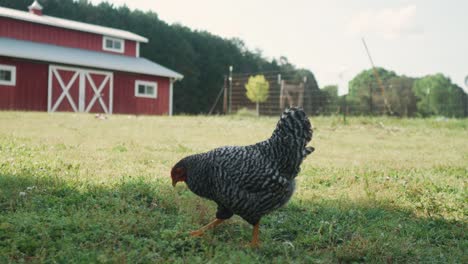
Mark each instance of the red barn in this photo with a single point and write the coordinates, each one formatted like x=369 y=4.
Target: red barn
x=54 y=64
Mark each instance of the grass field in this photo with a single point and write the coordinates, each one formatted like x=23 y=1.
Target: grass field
x=75 y=189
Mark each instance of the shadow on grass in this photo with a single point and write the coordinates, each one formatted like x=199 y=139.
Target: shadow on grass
x=47 y=219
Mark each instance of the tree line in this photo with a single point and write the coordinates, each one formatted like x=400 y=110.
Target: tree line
x=400 y=95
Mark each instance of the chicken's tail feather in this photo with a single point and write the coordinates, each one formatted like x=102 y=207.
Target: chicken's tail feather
x=290 y=138
x=294 y=121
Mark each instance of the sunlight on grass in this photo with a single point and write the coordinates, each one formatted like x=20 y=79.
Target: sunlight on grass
x=375 y=190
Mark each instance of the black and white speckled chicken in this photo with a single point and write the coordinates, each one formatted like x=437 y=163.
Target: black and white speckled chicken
x=249 y=181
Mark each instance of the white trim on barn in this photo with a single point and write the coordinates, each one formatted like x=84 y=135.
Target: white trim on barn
x=12 y=70
x=171 y=96
x=113 y=42
x=82 y=93
x=83 y=74
x=111 y=94
x=49 y=90
x=138 y=49
x=146 y=85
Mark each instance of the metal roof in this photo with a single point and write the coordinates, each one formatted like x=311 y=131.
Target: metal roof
x=70 y=24
x=80 y=57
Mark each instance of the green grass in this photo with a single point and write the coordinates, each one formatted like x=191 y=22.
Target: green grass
x=75 y=189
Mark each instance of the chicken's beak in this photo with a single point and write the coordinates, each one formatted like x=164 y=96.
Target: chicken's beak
x=174 y=182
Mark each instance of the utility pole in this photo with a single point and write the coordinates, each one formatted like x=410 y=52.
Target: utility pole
x=379 y=82
x=230 y=88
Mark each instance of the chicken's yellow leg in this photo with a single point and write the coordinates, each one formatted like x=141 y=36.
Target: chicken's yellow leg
x=202 y=230
x=255 y=239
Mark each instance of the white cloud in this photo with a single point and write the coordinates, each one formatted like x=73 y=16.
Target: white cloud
x=389 y=23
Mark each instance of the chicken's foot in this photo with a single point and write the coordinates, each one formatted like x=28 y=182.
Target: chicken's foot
x=202 y=230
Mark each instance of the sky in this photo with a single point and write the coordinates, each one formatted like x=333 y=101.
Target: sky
x=411 y=37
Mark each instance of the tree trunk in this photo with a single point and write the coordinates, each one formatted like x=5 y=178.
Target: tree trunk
x=258 y=109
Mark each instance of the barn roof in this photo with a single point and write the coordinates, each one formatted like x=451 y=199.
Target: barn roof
x=70 y=24
x=80 y=57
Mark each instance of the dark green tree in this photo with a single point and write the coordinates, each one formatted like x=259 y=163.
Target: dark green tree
x=331 y=98
x=365 y=95
x=400 y=96
x=437 y=95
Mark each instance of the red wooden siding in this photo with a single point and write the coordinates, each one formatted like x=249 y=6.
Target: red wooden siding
x=17 y=29
x=130 y=48
x=125 y=101
x=30 y=92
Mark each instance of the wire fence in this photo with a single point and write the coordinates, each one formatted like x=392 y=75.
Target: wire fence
x=288 y=89
x=285 y=90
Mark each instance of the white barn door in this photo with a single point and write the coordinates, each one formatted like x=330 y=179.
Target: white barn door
x=79 y=90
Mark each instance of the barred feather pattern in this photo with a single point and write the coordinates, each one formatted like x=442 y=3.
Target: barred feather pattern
x=251 y=181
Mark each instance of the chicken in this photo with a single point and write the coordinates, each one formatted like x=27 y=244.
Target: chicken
x=253 y=180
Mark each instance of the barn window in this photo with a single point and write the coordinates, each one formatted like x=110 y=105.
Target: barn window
x=146 y=89
x=113 y=44
x=7 y=75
